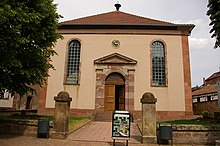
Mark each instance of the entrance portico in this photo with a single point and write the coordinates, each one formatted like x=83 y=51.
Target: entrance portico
x=114 y=83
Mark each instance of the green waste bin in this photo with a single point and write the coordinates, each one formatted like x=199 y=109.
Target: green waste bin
x=43 y=128
x=165 y=134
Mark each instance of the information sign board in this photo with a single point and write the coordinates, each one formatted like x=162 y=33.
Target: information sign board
x=121 y=125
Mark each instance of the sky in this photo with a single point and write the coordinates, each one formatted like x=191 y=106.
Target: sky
x=204 y=60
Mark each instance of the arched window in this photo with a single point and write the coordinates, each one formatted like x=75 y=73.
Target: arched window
x=158 y=64
x=73 y=62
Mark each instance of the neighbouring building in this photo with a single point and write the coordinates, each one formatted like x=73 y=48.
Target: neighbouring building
x=205 y=98
x=108 y=61
x=10 y=101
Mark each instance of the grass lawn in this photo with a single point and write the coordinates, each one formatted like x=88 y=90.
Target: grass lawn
x=198 y=121
x=75 y=122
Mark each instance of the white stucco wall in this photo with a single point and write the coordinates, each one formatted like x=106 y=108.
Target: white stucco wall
x=134 y=46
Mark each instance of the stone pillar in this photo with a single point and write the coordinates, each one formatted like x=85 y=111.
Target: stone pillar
x=61 y=115
x=148 y=118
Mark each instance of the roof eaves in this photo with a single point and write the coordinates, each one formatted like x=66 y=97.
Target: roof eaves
x=188 y=27
x=119 y=24
x=205 y=90
x=203 y=93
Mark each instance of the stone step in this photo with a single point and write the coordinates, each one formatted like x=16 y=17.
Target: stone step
x=104 y=116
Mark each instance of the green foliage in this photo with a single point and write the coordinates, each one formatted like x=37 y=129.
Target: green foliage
x=75 y=119
x=72 y=119
x=27 y=33
x=184 y=121
x=205 y=114
x=214 y=15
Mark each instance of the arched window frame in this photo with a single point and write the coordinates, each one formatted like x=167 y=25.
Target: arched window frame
x=73 y=62
x=159 y=69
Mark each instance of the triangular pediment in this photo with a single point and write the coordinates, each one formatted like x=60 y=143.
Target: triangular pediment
x=116 y=17
x=115 y=58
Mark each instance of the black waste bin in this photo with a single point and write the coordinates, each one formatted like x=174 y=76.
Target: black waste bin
x=165 y=134
x=43 y=128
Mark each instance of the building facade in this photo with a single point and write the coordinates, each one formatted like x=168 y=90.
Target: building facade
x=206 y=97
x=106 y=62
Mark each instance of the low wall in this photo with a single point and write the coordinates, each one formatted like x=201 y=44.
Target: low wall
x=210 y=106
x=182 y=134
x=20 y=127
x=195 y=134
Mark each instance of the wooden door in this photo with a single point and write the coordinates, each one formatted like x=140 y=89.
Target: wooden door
x=109 y=104
x=28 y=102
x=122 y=98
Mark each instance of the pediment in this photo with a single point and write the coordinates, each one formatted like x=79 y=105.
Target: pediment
x=115 y=58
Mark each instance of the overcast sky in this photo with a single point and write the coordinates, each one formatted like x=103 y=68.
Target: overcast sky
x=204 y=59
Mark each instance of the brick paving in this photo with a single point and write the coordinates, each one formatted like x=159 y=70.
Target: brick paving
x=101 y=131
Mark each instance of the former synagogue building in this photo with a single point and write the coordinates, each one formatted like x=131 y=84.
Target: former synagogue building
x=108 y=61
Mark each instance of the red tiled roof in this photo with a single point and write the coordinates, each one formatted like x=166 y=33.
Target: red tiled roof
x=214 y=75
x=116 y=18
x=206 y=89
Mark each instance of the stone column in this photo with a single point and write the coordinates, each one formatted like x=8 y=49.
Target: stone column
x=148 y=118
x=61 y=115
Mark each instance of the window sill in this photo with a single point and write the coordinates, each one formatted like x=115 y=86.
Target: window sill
x=71 y=84
x=159 y=86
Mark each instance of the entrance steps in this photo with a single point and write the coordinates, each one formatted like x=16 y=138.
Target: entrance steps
x=107 y=116
x=104 y=116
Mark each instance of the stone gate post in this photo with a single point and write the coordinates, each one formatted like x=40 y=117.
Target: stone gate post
x=148 y=118
x=61 y=115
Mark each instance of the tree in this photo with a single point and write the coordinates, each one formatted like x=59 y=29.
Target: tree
x=214 y=15
x=27 y=33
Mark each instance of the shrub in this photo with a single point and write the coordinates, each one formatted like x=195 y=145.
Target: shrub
x=205 y=114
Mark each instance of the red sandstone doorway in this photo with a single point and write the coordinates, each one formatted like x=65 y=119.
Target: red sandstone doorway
x=114 y=92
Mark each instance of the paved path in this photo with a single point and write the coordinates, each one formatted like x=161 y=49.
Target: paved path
x=101 y=131
x=9 y=140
